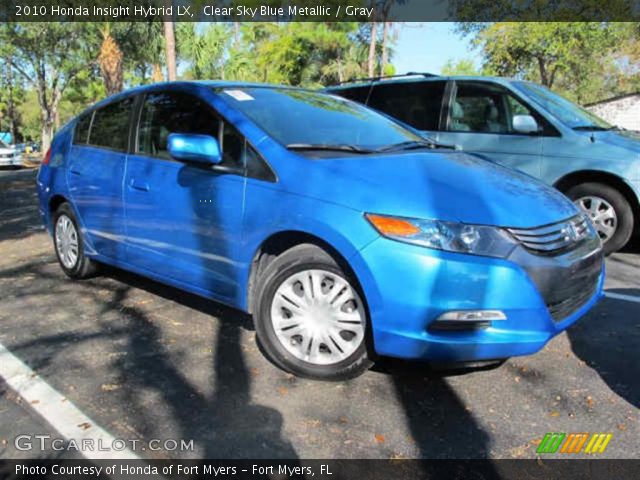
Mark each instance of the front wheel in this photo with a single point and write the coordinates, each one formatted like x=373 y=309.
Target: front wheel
x=311 y=319
x=609 y=211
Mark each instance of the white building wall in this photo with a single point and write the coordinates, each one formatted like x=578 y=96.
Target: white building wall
x=623 y=112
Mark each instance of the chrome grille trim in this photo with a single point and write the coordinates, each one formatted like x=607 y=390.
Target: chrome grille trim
x=556 y=236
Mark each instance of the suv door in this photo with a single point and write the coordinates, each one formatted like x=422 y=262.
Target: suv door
x=184 y=220
x=479 y=119
x=94 y=174
x=418 y=104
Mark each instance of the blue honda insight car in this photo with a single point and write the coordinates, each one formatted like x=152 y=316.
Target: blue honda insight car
x=345 y=235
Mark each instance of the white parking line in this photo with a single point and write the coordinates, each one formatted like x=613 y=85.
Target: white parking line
x=59 y=412
x=622 y=296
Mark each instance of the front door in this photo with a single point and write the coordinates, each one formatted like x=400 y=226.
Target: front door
x=480 y=120
x=183 y=220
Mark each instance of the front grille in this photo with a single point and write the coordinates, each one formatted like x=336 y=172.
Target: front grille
x=6 y=155
x=553 y=238
x=562 y=309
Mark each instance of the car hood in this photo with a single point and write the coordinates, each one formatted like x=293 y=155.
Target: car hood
x=452 y=186
x=620 y=138
x=4 y=151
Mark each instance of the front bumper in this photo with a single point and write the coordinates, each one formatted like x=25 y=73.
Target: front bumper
x=408 y=287
x=15 y=160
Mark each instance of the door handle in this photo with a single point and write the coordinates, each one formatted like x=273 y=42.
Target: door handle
x=141 y=186
x=75 y=172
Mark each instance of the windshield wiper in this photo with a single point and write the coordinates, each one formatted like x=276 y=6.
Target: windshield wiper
x=329 y=147
x=412 y=144
x=592 y=128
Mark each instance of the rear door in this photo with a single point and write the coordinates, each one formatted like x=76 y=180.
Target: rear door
x=479 y=119
x=94 y=174
x=183 y=220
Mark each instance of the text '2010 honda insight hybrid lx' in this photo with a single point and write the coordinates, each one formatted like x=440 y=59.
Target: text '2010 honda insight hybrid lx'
x=345 y=235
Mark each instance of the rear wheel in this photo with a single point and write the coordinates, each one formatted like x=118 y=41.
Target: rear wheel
x=69 y=245
x=609 y=211
x=311 y=319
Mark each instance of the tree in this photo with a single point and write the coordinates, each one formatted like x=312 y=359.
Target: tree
x=10 y=97
x=204 y=50
x=48 y=56
x=461 y=67
x=569 y=55
x=170 y=45
x=110 y=61
x=373 y=39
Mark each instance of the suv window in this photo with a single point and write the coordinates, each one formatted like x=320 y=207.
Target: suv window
x=485 y=108
x=110 y=126
x=357 y=94
x=81 y=134
x=415 y=103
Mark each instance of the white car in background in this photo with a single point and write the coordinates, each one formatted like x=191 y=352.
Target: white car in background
x=9 y=156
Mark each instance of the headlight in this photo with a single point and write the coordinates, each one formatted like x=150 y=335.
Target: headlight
x=449 y=236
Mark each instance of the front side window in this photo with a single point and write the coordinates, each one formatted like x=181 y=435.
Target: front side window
x=167 y=113
x=414 y=103
x=110 y=127
x=300 y=118
x=485 y=108
x=564 y=110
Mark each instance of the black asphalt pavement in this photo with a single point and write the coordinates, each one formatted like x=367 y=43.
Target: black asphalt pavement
x=145 y=361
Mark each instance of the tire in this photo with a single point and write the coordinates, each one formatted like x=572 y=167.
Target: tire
x=337 y=295
x=623 y=221
x=79 y=267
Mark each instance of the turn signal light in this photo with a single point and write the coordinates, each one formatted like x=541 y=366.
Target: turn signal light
x=392 y=226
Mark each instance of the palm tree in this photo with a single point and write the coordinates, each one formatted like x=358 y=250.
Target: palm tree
x=170 y=44
x=110 y=61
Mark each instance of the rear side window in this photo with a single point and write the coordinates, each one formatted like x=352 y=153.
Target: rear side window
x=81 y=134
x=166 y=113
x=110 y=126
x=415 y=103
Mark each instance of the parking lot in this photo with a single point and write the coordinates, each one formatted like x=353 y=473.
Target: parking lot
x=147 y=362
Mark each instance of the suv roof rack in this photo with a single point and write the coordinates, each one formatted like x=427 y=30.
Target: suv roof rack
x=384 y=77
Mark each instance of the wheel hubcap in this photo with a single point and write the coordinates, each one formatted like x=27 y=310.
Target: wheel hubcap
x=318 y=317
x=66 y=241
x=602 y=214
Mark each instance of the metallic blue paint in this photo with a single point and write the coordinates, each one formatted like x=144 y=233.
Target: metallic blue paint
x=199 y=229
x=194 y=148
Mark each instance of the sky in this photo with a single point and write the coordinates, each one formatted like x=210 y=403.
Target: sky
x=426 y=47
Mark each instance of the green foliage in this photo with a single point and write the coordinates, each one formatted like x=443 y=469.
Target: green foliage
x=579 y=59
x=461 y=67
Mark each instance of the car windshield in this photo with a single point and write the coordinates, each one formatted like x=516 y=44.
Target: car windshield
x=305 y=120
x=564 y=110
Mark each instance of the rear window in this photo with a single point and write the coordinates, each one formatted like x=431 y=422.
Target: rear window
x=82 y=130
x=415 y=103
x=110 y=127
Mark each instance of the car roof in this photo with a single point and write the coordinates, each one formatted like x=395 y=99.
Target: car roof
x=182 y=84
x=416 y=79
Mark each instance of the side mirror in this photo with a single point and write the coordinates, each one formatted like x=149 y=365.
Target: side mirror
x=189 y=147
x=525 y=124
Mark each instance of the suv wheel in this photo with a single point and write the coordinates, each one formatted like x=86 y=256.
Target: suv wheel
x=69 y=245
x=609 y=211
x=311 y=319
